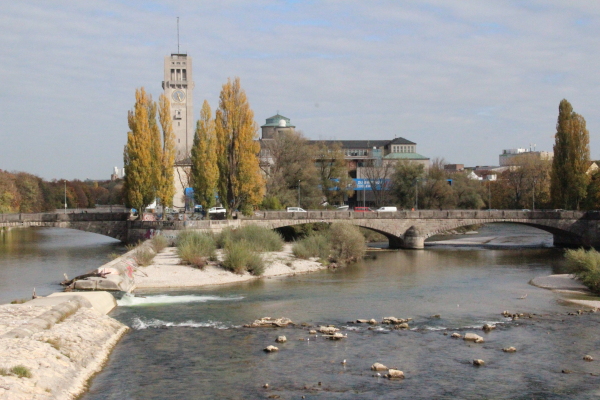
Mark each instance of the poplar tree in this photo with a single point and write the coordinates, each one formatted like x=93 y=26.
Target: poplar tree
x=140 y=166
x=205 y=172
x=166 y=186
x=241 y=185
x=568 y=181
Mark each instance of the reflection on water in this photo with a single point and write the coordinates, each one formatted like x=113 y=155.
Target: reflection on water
x=38 y=257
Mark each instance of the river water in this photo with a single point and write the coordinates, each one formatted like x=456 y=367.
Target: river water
x=191 y=344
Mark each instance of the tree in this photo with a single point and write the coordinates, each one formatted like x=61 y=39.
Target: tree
x=290 y=162
x=407 y=175
x=241 y=185
x=569 y=181
x=9 y=195
x=166 y=185
x=378 y=173
x=205 y=171
x=333 y=172
x=140 y=164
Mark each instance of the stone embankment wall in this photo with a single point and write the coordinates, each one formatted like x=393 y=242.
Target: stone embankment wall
x=61 y=341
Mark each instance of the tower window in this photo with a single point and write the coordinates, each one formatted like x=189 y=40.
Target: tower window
x=172 y=74
x=184 y=74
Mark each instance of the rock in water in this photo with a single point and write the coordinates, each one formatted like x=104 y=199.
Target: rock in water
x=378 y=367
x=588 y=358
x=488 y=327
x=509 y=350
x=372 y=321
x=471 y=337
x=281 y=339
x=455 y=335
x=270 y=349
x=394 y=373
x=269 y=322
x=478 y=362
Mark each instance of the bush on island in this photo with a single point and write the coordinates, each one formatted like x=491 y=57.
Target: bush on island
x=585 y=265
x=158 y=243
x=316 y=245
x=194 y=248
x=261 y=239
x=240 y=257
x=347 y=243
x=144 y=256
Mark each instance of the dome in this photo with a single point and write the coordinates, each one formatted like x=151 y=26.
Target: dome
x=282 y=123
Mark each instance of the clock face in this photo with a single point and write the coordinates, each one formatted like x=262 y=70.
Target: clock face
x=178 y=95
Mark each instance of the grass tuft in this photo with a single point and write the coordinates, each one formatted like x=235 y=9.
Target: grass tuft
x=158 y=243
x=144 y=256
x=316 y=245
x=21 y=371
x=261 y=239
x=240 y=256
x=194 y=248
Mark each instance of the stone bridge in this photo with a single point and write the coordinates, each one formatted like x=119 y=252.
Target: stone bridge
x=404 y=229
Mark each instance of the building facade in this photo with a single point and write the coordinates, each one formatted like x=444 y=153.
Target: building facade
x=178 y=87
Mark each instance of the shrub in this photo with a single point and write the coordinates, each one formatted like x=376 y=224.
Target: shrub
x=347 y=243
x=158 y=243
x=144 y=256
x=585 y=265
x=194 y=248
x=261 y=239
x=3 y=372
x=237 y=255
x=255 y=264
x=372 y=236
x=21 y=371
x=19 y=301
x=316 y=245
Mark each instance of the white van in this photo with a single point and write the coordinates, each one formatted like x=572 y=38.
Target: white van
x=295 y=209
x=386 y=209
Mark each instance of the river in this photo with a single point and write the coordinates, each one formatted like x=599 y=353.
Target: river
x=191 y=344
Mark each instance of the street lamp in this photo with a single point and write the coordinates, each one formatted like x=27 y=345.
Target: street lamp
x=534 y=182
x=299 y=192
x=416 y=193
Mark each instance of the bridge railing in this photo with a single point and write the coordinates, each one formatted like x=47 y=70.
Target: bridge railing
x=425 y=214
x=60 y=217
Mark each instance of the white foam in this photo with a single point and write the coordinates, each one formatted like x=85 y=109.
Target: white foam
x=131 y=301
x=139 y=324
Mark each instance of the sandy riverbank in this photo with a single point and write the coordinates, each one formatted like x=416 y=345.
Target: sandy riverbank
x=166 y=271
x=567 y=284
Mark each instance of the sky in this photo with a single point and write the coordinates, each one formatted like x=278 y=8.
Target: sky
x=462 y=79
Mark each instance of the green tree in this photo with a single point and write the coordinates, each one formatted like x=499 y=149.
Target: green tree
x=9 y=195
x=30 y=193
x=166 y=185
x=407 y=175
x=333 y=172
x=205 y=171
x=241 y=185
x=140 y=179
x=288 y=160
x=568 y=183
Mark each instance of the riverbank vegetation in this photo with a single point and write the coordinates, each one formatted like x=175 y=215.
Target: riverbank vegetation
x=342 y=243
x=585 y=265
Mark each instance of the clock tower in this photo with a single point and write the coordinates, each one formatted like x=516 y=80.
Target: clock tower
x=178 y=87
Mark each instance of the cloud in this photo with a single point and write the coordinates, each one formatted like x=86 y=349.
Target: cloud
x=462 y=79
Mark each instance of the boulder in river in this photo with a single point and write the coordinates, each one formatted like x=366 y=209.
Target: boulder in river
x=456 y=335
x=509 y=350
x=588 y=358
x=328 y=330
x=335 y=336
x=478 y=362
x=488 y=327
x=403 y=325
x=269 y=322
x=471 y=337
x=394 y=374
x=312 y=332
x=393 y=320
x=270 y=349
x=378 y=367
x=372 y=321
x=281 y=339
x=362 y=321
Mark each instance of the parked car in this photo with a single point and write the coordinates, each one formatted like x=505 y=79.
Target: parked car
x=198 y=208
x=386 y=209
x=217 y=210
x=295 y=209
x=362 y=209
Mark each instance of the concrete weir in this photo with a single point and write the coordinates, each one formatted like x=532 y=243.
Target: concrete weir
x=57 y=342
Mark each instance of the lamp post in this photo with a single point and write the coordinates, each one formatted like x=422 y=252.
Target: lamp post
x=299 y=192
x=416 y=193
x=534 y=182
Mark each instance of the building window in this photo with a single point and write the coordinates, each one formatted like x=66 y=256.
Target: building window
x=184 y=74
x=172 y=74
